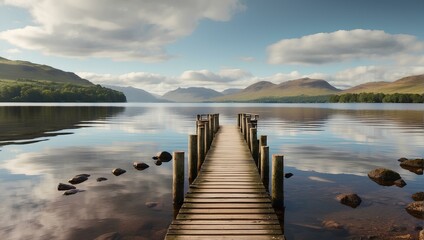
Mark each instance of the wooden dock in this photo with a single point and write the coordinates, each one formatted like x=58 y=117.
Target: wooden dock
x=227 y=200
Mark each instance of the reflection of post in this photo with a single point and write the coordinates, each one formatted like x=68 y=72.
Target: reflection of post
x=265 y=166
x=200 y=146
x=178 y=178
x=277 y=182
x=192 y=158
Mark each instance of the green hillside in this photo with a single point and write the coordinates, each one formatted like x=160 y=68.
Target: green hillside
x=411 y=84
x=22 y=81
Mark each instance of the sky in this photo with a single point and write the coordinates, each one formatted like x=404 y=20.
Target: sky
x=160 y=45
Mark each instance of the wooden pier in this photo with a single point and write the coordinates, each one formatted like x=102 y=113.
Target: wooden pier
x=227 y=199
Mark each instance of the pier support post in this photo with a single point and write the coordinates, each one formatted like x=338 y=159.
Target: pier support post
x=211 y=127
x=254 y=148
x=192 y=158
x=178 y=178
x=265 y=166
x=277 y=196
x=206 y=141
x=262 y=142
x=216 y=122
x=200 y=146
x=249 y=126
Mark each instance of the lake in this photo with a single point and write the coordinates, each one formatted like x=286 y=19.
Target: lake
x=329 y=148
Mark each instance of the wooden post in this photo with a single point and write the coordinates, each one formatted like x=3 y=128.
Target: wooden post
x=249 y=126
x=178 y=178
x=254 y=148
x=262 y=142
x=216 y=122
x=206 y=130
x=192 y=158
x=200 y=147
x=243 y=122
x=238 y=120
x=211 y=127
x=277 y=182
x=265 y=166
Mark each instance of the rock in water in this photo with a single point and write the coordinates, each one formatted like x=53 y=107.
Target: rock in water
x=385 y=177
x=78 y=179
x=400 y=183
x=158 y=163
x=351 y=200
x=101 y=179
x=83 y=174
x=70 y=192
x=416 y=209
x=109 y=236
x=288 y=175
x=419 y=196
x=413 y=165
x=140 y=166
x=118 y=171
x=64 y=187
x=164 y=156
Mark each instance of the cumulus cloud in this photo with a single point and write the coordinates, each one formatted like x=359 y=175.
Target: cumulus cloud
x=247 y=59
x=128 y=30
x=342 y=45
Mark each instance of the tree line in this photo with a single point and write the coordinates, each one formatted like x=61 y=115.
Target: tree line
x=46 y=91
x=376 y=98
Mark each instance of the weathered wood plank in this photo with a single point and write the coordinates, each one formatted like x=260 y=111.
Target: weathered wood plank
x=225 y=205
x=252 y=216
x=224 y=231
x=225 y=222
x=226 y=226
x=238 y=237
x=226 y=211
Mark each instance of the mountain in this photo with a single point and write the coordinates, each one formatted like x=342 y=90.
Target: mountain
x=298 y=87
x=411 y=84
x=19 y=70
x=136 y=94
x=191 y=94
x=231 y=91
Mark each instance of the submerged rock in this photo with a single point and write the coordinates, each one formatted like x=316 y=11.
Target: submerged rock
x=351 y=200
x=419 y=196
x=118 y=171
x=83 y=175
x=71 y=192
x=78 y=179
x=64 y=187
x=155 y=157
x=288 y=175
x=151 y=204
x=158 y=162
x=109 y=236
x=164 y=156
x=101 y=179
x=140 y=166
x=386 y=177
x=416 y=209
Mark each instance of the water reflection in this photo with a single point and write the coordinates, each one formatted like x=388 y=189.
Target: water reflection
x=329 y=150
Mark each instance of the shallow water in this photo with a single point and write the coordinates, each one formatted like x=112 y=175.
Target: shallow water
x=329 y=148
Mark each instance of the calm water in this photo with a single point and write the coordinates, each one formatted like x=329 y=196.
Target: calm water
x=330 y=148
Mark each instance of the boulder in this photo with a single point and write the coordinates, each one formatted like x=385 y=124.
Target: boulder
x=419 y=196
x=118 y=171
x=78 y=179
x=288 y=175
x=164 y=156
x=351 y=199
x=416 y=209
x=101 y=179
x=140 y=166
x=64 y=187
x=413 y=165
x=385 y=177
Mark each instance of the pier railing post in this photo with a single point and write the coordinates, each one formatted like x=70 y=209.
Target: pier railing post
x=206 y=141
x=249 y=126
x=254 y=148
x=265 y=166
x=262 y=142
x=200 y=146
x=277 y=196
x=178 y=178
x=192 y=158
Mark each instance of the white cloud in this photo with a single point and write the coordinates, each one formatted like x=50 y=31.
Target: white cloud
x=128 y=30
x=342 y=45
x=13 y=50
x=247 y=59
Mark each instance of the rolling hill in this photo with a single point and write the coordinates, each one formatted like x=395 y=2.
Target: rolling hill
x=192 y=94
x=298 y=87
x=136 y=94
x=18 y=70
x=411 y=84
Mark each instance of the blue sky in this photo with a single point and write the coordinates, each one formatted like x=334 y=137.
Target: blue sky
x=161 y=45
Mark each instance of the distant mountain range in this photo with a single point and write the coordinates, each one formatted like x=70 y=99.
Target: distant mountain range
x=304 y=87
